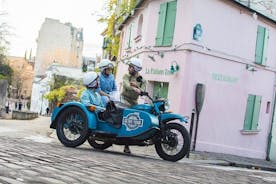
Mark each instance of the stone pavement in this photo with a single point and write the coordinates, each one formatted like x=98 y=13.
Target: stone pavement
x=38 y=130
x=25 y=161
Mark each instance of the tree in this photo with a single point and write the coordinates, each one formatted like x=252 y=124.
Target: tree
x=5 y=70
x=17 y=83
x=63 y=89
x=117 y=12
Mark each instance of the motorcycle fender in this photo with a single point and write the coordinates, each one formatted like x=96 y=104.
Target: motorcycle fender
x=91 y=117
x=169 y=117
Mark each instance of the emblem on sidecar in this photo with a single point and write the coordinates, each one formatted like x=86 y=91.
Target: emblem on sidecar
x=132 y=121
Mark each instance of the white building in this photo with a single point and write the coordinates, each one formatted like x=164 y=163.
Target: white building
x=41 y=86
x=58 y=43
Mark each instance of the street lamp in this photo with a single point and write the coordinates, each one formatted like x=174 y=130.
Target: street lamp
x=174 y=67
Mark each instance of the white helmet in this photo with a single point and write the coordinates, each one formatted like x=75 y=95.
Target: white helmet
x=90 y=79
x=136 y=63
x=106 y=63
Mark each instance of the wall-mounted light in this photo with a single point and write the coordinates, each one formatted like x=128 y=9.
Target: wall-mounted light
x=151 y=57
x=255 y=16
x=161 y=54
x=174 y=67
x=250 y=68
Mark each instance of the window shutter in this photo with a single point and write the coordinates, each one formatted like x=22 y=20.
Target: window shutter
x=256 y=112
x=259 y=45
x=105 y=43
x=169 y=23
x=164 y=90
x=264 y=56
x=129 y=36
x=249 y=112
x=161 y=24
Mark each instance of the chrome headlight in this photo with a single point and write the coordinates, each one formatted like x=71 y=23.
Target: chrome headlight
x=167 y=104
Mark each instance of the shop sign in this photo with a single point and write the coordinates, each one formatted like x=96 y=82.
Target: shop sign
x=224 y=78
x=154 y=71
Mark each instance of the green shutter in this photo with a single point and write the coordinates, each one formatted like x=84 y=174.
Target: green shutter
x=260 y=45
x=249 y=112
x=105 y=43
x=129 y=36
x=161 y=24
x=264 y=56
x=256 y=112
x=169 y=24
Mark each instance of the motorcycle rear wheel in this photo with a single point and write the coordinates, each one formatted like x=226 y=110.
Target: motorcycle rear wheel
x=100 y=145
x=72 y=127
x=169 y=147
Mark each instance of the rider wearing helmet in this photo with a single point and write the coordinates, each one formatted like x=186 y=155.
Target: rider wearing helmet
x=131 y=86
x=107 y=81
x=90 y=96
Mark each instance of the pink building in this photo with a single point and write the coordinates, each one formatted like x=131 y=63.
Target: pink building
x=227 y=48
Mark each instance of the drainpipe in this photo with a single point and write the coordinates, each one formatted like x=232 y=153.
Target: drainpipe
x=271 y=125
x=191 y=129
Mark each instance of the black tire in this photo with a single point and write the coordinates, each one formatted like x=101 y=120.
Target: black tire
x=74 y=121
x=160 y=145
x=100 y=145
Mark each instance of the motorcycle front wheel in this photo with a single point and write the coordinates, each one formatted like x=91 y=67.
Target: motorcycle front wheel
x=175 y=143
x=72 y=127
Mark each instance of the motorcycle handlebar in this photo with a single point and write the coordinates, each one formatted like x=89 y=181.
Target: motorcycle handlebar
x=144 y=93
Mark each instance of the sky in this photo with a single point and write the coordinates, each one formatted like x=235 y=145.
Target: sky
x=25 y=18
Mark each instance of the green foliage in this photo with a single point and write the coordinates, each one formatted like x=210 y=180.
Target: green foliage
x=60 y=81
x=63 y=89
x=117 y=13
x=56 y=94
x=63 y=94
x=97 y=70
x=84 y=68
x=6 y=72
x=2 y=76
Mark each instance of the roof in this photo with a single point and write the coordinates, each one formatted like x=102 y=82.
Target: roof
x=70 y=72
x=273 y=20
x=139 y=4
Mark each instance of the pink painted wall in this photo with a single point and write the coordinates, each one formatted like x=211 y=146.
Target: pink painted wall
x=223 y=113
x=229 y=40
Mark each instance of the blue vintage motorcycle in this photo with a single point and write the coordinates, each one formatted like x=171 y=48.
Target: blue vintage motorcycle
x=142 y=125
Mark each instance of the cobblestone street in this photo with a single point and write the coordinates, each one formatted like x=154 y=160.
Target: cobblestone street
x=25 y=160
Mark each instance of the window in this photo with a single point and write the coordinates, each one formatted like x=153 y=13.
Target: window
x=105 y=42
x=79 y=36
x=166 y=23
x=129 y=41
x=252 y=112
x=160 y=89
x=140 y=23
x=261 y=45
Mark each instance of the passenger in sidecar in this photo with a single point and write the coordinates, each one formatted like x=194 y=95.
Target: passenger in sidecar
x=91 y=96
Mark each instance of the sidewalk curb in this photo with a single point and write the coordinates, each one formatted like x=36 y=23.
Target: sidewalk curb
x=237 y=164
x=252 y=166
